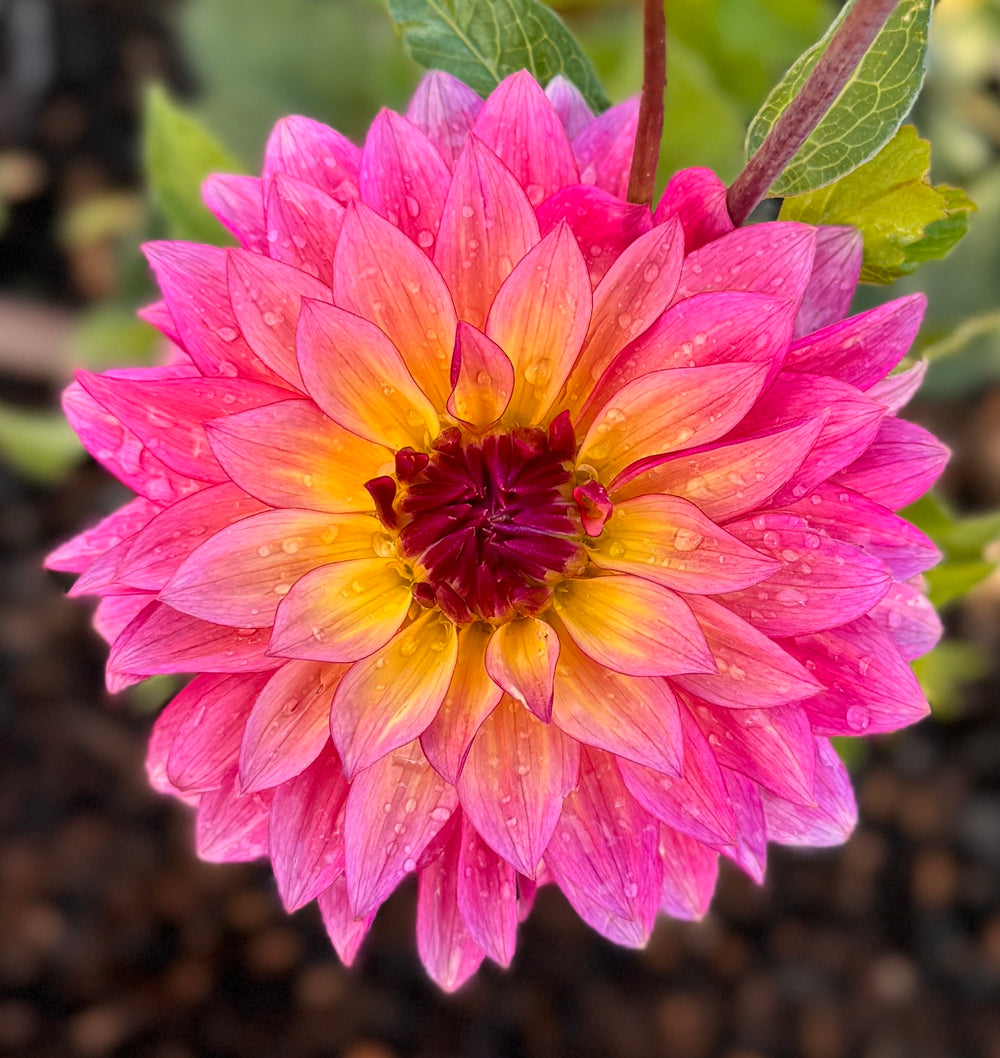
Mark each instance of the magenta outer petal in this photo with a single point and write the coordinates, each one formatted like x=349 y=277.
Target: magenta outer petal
x=303 y=226
x=114 y=614
x=690 y=870
x=232 y=828
x=315 y=153
x=306 y=831
x=869 y=688
x=487 y=895
x=158 y=315
x=160 y=740
x=77 y=554
x=569 y=104
x=898 y=390
x=444 y=109
x=394 y=810
x=835 y=273
x=345 y=929
x=749 y=851
x=697 y=198
x=907 y=616
x=238 y=202
x=444 y=943
x=604 y=148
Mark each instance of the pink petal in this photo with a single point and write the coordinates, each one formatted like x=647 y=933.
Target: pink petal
x=290 y=454
x=341 y=612
x=390 y=697
x=346 y=931
x=820 y=582
x=114 y=614
x=161 y=738
x=162 y=640
x=753 y=672
x=315 y=153
x=522 y=127
x=446 y=948
x=908 y=618
x=394 y=809
x=303 y=226
x=663 y=411
x=897 y=390
x=749 y=851
x=444 y=109
x=863 y=349
x=238 y=202
x=836 y=268
x=521 y=658
x=568 y=102
x=832 y=816
x=845 y=515
x=307 y=831
x=75 y=555
x=193 y=280
x=354 y=373
x=381 y=275
x=232 y=827
x=238 y=576
x=289 y=724
x=690 y=870
x=403 y=177
x=632 y=625
x=213 y=710
x=697 y=802
x=158 y=316
x=540 y=317
x=604 y=226
x=487 y=895
x=899 y=466
x=470 y=698
x=514 y=781
x=603 y=854
x=668 y=540
x=634 y=717
x=604 y=148
x=482 y=378
x=697 y=198
x=488 y=225
x=726 y=479
x=775 y=259
x=868 y=687
x=774 y=747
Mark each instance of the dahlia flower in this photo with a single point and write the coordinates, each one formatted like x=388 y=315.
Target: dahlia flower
x=517 y=534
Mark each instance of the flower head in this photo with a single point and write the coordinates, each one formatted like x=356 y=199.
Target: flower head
x=517 y=534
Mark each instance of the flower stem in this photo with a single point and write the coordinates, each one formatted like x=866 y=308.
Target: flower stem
x=846 y=49
x=642 y=178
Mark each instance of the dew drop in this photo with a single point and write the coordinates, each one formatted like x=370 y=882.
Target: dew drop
x=858 y=718
x=687 y=539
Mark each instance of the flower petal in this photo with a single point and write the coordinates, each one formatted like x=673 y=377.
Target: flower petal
x=239 y=575
x=389 y=698
x=835 y=272
x=345 y=930
x=604 y=148
x=697 y=198
x=113 y=615
x=303 y=226
x=749 y=850
x=569 y=104
x=487 y=895
x=354 y=373
x=232 y=827
x=341 y=612
x=394 y=810
x=690 y=870
x=668 y=540
x=908 y=618
x=444 y=109
x=515 y=778
x=521 y=658
x=898 y=390
x=482 y=378
x=540 y=317
x=238 y=202
x=632 y=625
x=315 y=153
x=487 y=225
x=75 y=555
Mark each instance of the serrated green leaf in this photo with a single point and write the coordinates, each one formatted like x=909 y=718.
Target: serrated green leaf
x=891 y=202
x=869 y=109
x=482 y=41
x=178 y=153
x=41 y=445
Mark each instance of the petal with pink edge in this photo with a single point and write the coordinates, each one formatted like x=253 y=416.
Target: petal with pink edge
x=749 y=851
x=303 y=226
x=354 y=373
x=603 y=854
x=697 y=198
x=898 y=390
x=488 y=225
x=380 y=275
x=290 y=454
x=158 y=315
x=445 y=945
x=515 y=778
x=471 y=697
x=289 y=724
x=487 y=895
x=569 y=104
x=690 y=870
x=158 y=749
x=482 y=378
x=444 y=109
x=831 y=817
x=753 y=671
x=604 y=148
x=239 y=575
x=395 y=808
x=908 y=618
x=75 y=555
x=836 y=268
x=868 y=687
x=341 y=612
x=238 y=202
x=819 y=583
x=632 y=625
x=310 y=151
x=306 y=831
x=389 y=698
x=668 y=540
x=521 y=658
x=232 y=827
x=114 y=614
x=345 y=930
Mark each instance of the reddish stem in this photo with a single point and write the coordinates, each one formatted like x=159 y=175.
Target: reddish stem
x=845 y=50
x=642 y=178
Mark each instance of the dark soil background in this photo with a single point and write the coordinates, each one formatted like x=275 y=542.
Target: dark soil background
x=116 y=943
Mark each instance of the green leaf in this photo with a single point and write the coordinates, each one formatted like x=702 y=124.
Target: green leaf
x=869 y=109
x=482 y=41
x=178 y=153
x=904 y=219
x=41 y=445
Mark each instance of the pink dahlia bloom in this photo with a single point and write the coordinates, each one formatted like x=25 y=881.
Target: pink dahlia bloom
x=517 y=535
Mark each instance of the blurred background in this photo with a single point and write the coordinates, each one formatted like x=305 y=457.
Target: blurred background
x=115 y=942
